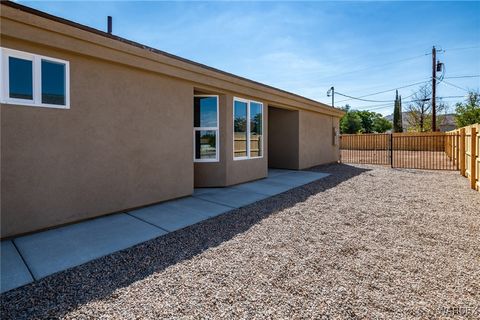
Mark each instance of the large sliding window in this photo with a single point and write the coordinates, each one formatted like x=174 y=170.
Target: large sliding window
x=205 y=128
x=34 y=80
x=247 y=129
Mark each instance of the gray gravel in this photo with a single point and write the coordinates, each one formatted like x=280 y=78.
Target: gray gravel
x=366 y=242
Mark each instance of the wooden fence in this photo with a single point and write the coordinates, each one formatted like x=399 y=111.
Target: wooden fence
x=429 y=141
x=462 y=147
x=453 y=150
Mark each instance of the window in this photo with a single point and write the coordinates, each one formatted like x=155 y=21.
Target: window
x=256 y=124
x=20 y=78
x=240 y=135
x=247 y=129
x=34 y=80
x=205 y=128
x=53 y=82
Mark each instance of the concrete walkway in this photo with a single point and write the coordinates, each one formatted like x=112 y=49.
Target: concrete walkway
x=32 y=257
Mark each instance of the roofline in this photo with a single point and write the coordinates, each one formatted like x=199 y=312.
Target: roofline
x=151 y=49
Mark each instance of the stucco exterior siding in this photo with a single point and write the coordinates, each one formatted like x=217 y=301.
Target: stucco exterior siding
x=125 y=142
x=127 y=139
x=316 y=139
x=301 y=139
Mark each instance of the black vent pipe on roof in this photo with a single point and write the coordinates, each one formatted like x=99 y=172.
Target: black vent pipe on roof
x=109 y=24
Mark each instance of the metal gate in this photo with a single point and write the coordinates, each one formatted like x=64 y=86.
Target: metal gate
x=432 y=151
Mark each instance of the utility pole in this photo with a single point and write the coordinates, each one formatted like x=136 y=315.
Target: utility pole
x=331 y=92
x=434 y=88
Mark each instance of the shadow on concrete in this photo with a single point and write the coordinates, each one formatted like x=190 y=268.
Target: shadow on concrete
x=56 y=295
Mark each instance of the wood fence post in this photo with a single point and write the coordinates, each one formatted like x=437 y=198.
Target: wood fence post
x=473 y=158
x=391 y=150
x=461 y=150
x=457 y=150
x=449 y=146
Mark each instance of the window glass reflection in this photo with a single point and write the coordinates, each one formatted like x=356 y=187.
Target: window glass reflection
x=53 y=82
x=256 y=129
x=205 y=144
x=20 y=78
x=205 y=112
x=240 y=128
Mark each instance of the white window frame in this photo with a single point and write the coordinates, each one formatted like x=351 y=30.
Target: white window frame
x=216 y=129
x=248 y=102
x=36 y=59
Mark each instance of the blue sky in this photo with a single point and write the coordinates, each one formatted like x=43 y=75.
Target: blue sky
x=306 y=47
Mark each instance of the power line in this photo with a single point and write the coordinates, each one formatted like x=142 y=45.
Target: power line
x=453 y=85
x=460 y=77
x=384 y=64
x=366 y=68
x=355 y=98
x=373 y=94
x=383 y=106
x=462 y=48
x=450 y=97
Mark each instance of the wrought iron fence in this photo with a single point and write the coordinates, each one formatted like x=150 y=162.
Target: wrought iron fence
x=400 y=150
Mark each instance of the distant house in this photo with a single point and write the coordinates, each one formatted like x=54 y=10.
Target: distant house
x=95 y=124
x=447 y=122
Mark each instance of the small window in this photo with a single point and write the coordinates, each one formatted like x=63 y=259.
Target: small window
x=240 y=128
x=205 y=128
x=34 y=80
x=248 y=129
x=20 y=78
x=205 y=145
x=256 y=123
x=53 y=83
x=205 y=112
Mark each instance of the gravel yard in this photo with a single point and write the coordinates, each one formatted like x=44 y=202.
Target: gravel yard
x=365 y=242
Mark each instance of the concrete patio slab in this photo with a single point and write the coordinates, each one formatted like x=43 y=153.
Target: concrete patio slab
x=13 y=271
x=232 y=197
x=298 y=178
x=55 y=250
x=272 y=172
x=265 y=186
x=177 y=214
x=58 y=249
x=198 y=191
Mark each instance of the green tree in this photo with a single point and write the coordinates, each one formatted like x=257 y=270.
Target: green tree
x=380 y=124
x=469 y=112
x=397 y=114
x=350 y=122
x=367 y=118
x=355 y=121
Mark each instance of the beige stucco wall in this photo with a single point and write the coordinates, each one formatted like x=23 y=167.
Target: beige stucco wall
x=316 y=139
x=228 y=171
x=283 y=143
x=125 y=142
x=127 y=139
x=301 y=139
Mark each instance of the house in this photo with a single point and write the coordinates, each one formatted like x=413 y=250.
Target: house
x=93 y=124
